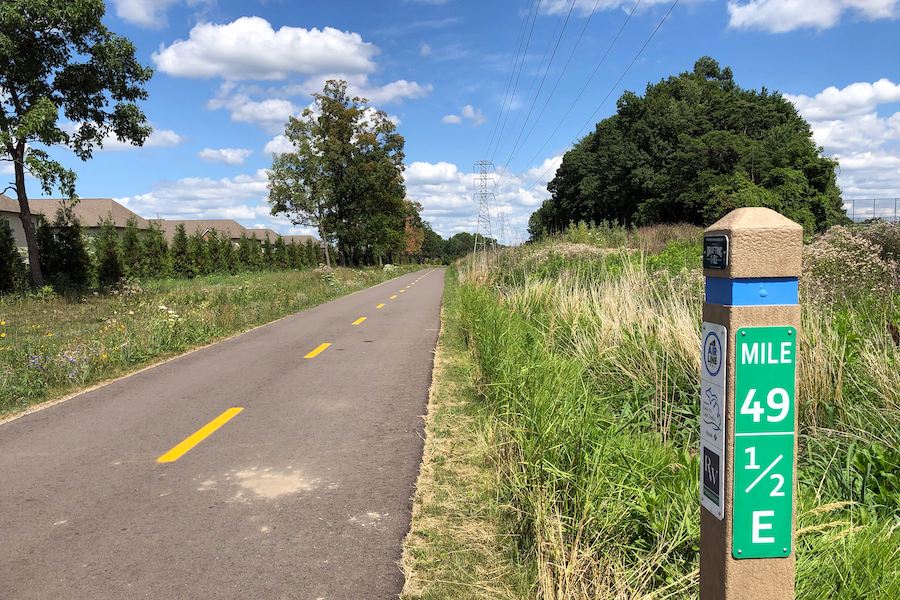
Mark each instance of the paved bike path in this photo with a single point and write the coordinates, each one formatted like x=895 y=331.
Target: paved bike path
x=305 y=493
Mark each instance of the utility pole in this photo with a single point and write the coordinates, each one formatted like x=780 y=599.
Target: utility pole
x=483 y=198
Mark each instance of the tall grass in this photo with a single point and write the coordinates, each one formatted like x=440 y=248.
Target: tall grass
x=51 y=345
x=588 y=357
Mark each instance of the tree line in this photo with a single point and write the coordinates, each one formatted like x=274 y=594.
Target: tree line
x=692 y=149
x=72 y=260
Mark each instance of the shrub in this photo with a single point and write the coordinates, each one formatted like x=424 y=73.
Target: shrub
x=843 y=266
x=106 y=250
x=13 y=276
x=65 y=260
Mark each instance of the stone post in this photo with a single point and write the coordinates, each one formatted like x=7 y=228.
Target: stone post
x=752 y=264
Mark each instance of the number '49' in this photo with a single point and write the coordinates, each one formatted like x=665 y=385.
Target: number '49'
x=777 y=399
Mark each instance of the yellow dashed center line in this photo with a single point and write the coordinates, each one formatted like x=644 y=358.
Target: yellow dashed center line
x=179 y=450
x=317 y=351
x=379 y=306
x=359 y=320
x=392 y=297
x=401 y=291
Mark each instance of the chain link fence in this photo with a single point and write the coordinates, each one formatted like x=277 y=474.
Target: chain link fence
x=864 y=209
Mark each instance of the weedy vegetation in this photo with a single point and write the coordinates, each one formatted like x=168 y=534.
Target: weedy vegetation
x=52 y=345
x=585 y=352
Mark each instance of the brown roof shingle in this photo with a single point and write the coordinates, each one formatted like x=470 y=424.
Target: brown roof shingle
x=89 y=211
x=231 y=228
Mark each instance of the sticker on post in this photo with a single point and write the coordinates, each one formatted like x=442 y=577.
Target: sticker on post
x=711 y=485
x=714 y=358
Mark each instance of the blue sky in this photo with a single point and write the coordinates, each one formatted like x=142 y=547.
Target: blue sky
x=228 y=74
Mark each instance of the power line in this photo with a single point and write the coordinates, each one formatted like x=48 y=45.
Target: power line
x=512 y=69
x=518 y=75
x=588 y=82
x=562 y=73
x=546 y=71
x=591 y=118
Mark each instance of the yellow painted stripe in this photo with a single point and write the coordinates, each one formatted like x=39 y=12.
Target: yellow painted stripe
x=401 y=291
x=317 y=351
x=179 y=450
x=379 y=306
x=407 y=287
x=392 y=297
x=359 y=320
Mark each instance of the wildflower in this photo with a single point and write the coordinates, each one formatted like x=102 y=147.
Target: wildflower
x=2 y=322
x=49 y=335
x=161 y=307
x=104 y=356
x=3 y=335
x=116 y=348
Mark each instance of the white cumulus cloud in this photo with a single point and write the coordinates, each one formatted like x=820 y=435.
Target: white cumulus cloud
x=159 y=138
x=779 y=16
x=394 y=92
x=150 y=14
x=224 y=156
x=423 y=173
x=280 y=144
x=847 y=124
x=243 y=198
x=855 y=99
x=447 y=196
x=205 y=198
x=468 y=113
x=249 y=48
x=270 y=114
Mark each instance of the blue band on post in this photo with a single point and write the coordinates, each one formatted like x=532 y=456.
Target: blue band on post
x=761 y=291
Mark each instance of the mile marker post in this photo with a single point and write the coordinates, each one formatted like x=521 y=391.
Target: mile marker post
x=752 y=259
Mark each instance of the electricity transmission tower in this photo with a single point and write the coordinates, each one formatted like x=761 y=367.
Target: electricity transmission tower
x=483 y=198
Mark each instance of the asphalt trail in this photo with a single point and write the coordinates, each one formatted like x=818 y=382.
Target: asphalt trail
x=303 y=494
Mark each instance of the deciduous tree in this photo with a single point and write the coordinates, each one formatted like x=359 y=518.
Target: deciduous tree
x=344 y=176
x=692 y=148
x=58 y=59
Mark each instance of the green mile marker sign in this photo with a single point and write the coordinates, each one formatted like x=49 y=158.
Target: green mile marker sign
x=765 y=371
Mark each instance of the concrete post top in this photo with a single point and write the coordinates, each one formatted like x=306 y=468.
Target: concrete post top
x=761 y=243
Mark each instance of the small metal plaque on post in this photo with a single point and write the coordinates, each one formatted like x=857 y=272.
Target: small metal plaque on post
x=764 y=379
x=715 y=252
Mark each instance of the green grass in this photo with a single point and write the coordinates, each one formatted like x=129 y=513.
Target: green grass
x=51 y=345
x=456 y=548
x=587 y=359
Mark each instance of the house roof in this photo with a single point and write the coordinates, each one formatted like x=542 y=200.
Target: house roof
x=299 y=239
x=89 y=211
x=8 y=204
x=229 y=227
x=261 y=234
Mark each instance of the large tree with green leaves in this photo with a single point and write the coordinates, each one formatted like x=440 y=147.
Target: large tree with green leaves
x=57 y=59
x=691 y=149
x=343 y=176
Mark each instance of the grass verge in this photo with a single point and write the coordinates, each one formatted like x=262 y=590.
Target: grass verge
x=52 y=346
x=457 y=547
x=587 y=360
